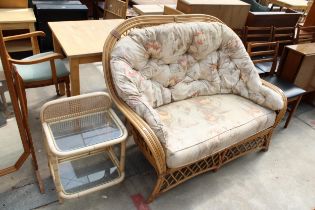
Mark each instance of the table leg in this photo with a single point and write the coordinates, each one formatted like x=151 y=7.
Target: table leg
x=74 y=76
x=57 y=47
x=34 y=40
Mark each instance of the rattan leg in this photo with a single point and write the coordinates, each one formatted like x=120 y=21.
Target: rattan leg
x=156 y=190
x=296 y=104
x=54 y=170
x=267 y=142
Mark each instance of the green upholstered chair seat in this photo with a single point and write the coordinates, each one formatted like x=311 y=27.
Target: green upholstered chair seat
x=41 y=71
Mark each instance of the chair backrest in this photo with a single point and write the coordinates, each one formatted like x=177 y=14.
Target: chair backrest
x=257 y=34
x=264 y=52
x=305 y=34
x=115 y=9
x=171 y=11
x=284 y=36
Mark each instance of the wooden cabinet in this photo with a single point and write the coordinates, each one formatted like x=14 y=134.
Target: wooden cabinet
x=232 y=12
x=298 y=65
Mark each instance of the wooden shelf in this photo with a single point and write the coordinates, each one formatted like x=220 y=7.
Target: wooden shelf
x=19 y=46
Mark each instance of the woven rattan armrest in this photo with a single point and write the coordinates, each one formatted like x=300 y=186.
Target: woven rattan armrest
x=280 y=113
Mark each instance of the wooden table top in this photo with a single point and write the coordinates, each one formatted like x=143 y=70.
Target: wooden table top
x=214 y=2
x=162 y=2
x=292 y=4
x=148 y=9
x=17 y=16
x=305 y=49
x=81 y=38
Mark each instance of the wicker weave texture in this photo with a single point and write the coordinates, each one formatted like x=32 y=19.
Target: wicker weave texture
x=146 y=139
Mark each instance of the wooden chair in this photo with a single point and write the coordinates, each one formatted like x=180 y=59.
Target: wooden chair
x=305 y=34
x=171 y=11
x=98 y=8
x=293 y=93
x=38 y=70
x=284 y=36
x=257 y=34
x=115 y=9
x=265 y=58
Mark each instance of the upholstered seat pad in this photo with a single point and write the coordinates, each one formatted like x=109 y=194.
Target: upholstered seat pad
x=199 y=126
x=40 y=71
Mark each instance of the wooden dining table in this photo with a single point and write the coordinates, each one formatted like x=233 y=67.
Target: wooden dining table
x=81 y=42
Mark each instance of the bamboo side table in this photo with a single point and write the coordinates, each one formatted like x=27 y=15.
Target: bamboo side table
x=85 y=142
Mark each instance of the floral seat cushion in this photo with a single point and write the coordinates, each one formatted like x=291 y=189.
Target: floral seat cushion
x=158 y=65
x=203 y=125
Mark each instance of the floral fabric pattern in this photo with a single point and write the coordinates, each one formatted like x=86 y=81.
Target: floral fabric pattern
x=203 y=125
x=158 y=65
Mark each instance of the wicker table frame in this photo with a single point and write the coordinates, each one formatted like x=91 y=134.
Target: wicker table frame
x=73 y=108
x=145 y=138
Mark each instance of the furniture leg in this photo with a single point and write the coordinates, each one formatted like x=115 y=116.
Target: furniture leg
x=61 y=87
x=74 y=76
x=34 y=40
x=68 y=88
x=4 y=102
x=156 y=190
x=56 y=45
x=296 y=104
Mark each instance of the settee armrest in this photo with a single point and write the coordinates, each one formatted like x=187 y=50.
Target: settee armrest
x=282 y=111
x=148 y=142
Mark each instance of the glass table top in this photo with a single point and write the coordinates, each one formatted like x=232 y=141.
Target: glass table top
x=84 y=131
x=85 y=173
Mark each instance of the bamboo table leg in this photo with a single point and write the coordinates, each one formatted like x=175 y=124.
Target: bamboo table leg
x=74 y=76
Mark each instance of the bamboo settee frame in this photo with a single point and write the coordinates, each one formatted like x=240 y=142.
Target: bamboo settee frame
x=145 y=138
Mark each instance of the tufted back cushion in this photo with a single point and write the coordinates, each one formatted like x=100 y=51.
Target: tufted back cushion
x=158 y=65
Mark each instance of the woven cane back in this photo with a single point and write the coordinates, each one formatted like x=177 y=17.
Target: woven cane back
x=146 y=139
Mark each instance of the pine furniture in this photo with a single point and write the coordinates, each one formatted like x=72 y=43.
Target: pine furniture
x=15 y=19
x=232 y=12
x=86 y=47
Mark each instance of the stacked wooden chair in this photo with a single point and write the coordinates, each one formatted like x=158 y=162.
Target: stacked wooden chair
x=266 y=58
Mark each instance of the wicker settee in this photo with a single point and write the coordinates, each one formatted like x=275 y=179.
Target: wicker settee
x=190 y=93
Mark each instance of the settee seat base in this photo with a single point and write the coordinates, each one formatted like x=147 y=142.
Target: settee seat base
x=201 y=126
